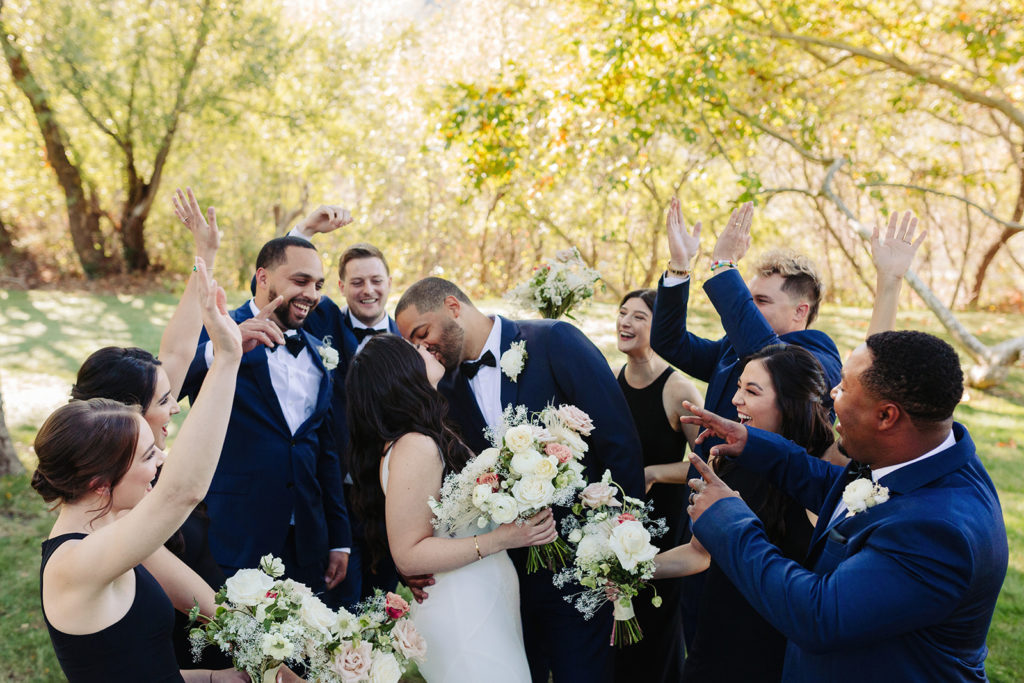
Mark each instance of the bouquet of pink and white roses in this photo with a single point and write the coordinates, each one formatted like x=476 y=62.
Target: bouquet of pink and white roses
x=613 y=557
x=535 y=462
x=263 y=621
x=376 y=643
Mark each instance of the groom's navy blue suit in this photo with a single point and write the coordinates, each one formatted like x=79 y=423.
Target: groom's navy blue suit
x=268 y=476
x=901 y=592
x=325 y=321
x=562 y=366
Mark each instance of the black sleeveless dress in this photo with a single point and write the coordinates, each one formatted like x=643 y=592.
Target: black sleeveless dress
x=135 y=648
x=659 y=656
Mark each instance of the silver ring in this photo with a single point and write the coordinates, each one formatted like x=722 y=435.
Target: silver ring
x=693 y=495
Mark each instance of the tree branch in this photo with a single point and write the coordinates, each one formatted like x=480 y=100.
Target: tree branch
x=1013 y=225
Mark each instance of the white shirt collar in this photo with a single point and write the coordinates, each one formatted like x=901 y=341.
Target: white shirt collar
x=948 y=442
x=493 y=343
x=357 y=324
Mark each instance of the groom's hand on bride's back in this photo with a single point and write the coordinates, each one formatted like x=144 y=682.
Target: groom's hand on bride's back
x=417 y=583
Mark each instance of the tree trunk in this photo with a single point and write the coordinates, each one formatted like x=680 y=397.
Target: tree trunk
x=133 y=223
x=18 y=263
x=83 y=209
x=1006 y=234
x=9 y=463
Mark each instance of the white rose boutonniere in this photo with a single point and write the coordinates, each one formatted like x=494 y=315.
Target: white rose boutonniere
x=328 y=355
x=513 y=360
x=861 y=494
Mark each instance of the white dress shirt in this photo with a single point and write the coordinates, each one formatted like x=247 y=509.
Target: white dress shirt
x=381 y=324
x=486 y=385
x=948 y=442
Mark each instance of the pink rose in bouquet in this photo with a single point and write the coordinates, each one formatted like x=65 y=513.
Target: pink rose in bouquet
x=409 y=641
x=352 y=662
x=396 y=606
x=489 y=479
x=560 y=451
x=625 y=517
x=599 y=494
x=575 y=419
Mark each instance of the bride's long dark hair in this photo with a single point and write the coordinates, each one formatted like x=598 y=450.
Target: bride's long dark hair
x=388 y=395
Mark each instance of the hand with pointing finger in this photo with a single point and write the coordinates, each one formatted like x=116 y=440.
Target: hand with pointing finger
x=707 y=492
x=260 y=329
x=733 y=433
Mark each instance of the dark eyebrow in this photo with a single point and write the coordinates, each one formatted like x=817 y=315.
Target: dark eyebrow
x=166 y=395
x=754 y=384
x=415 y=331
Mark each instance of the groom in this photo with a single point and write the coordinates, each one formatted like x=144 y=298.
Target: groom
x=902 y=590
x=559 y=365
x=277 y=488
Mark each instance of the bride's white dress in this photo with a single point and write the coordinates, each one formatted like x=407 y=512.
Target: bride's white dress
x=471 y=620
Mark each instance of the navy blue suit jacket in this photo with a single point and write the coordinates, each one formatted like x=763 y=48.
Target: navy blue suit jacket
x=904 y=591
x=325 y=321
x=266 y=474
x=746 y=331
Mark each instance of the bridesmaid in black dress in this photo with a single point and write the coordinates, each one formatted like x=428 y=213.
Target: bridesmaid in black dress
x=655 y=394
x=781 y=389
x=110 y=617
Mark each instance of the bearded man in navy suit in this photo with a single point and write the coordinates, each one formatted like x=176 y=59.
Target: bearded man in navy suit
x=277 y=488
x=910 y=550
x=559 y=366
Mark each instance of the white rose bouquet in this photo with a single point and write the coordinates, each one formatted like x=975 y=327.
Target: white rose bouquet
x=375 y=644
x=557 y=286
x=535 y=462
x=613 y=555
x=263 y=621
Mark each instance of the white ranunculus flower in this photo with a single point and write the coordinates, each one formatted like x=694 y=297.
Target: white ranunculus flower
x=533 y=492
x=487 y=459
x=481 y=492
x=503 y=508
x=249 y=587
x=525 y=462
x=546 y=468
x=519 y=439
x=385 y=669
x=631 y=543
x=317 y=615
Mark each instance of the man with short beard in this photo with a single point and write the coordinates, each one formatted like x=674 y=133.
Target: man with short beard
x=558 y=365
x=278 y=488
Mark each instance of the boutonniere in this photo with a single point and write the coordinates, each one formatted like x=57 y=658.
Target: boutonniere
x=513 y=360
x=328 y=355
x=861 y=494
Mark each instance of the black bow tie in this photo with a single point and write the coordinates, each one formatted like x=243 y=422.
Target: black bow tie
x=858 y=470
x=295 y=344
x=364 y=332
x=471 y=367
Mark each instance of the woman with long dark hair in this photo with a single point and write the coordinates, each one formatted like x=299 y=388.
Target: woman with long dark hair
x=110 y=617
x=401 y=448
x=781 y=389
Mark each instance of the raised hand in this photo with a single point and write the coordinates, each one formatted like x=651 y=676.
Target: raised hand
x=326 y=218
x=259 y=329
x=733 y=433
x=894 y=254
x=204 y=230
x=734 y=241
x=682 y=246
x=707 y=492
x=224 y=334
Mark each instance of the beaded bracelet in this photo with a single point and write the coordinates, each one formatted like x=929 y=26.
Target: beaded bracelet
x=675 y=272
x=715 y=265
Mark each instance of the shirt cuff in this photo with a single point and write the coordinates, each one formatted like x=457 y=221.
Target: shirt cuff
x=294 y=232
x=208 y=354
x=342 y=550
x=673 y=281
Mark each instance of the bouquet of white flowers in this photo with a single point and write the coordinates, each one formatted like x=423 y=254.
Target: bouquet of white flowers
x=376 y=643
x=556 y=286
x=534 y=463
x=263 y=621
x=613 y=554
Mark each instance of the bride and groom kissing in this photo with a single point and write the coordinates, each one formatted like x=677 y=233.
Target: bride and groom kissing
x=484 y=617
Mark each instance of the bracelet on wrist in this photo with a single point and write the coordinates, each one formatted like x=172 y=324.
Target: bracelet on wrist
x=675 y=272
x=725 y=263
x=476 y=542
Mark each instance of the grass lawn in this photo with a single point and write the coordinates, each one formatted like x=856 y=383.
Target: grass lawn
x=44 y=337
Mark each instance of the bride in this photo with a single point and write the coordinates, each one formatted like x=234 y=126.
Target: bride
x=401 y=448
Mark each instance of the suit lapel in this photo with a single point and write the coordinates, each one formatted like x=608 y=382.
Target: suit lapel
x=256 y=361
x=510 y=333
